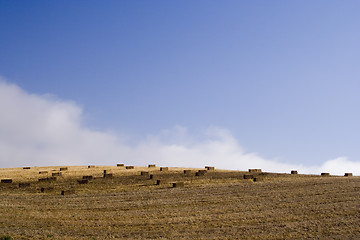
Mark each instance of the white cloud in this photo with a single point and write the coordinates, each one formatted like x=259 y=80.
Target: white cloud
x=42 y=131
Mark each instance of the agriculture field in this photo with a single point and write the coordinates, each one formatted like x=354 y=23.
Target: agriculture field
x=217 y=204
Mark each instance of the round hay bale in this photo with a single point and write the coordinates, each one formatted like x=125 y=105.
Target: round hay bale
x=348 y=174
x=130 y=167
x=151 y=165
x=91 y=166
x=63 y=169
x=164 y=169
x=120 y=165
x=26 y=167
x=325 y=174
x=294 y=172
x=210 y=168
x=255 y=170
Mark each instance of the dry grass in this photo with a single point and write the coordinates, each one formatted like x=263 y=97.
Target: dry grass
x=217 y=205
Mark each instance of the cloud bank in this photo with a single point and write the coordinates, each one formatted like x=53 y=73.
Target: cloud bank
x=43 y=131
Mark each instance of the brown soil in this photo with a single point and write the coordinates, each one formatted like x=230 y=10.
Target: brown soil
x=217 y=205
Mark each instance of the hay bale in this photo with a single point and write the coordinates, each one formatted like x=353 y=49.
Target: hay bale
x=151 y=176
x=325 y=174
x=43 y=172
x=105 y=171
x=6 y=180
x=120 y=165
x=164 y=169
x=68 y=192
x=26 y=167
x=178 y=184
x=348 y=174
x=255 y=170
x=87 y=177
x=56 y=174
x=91 y=166
x=187 y=172
x=258 y=179
x=83 y=181
x=201 y=173
x=144 y=173
x=27 y=184
x=108 y=175
x=47 y=179
x=294 y=172
x=130 y=167
x=151 y=165
x=159 y=182
x=248 y=176
x=209 y=168
x=63 y=169
x=47 y=189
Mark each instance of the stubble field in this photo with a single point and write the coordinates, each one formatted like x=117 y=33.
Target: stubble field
x=217 y=205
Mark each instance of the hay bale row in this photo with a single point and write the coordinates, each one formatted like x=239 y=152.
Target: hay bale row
x=164 y=169
x=63 y=169
x=68 y=192
x=83 y=181
x=87 y=177
x=178 y=184
x=26 y=184
x=255 y=170
x=48 y=179
x=294 y=172
x=151 y=165
x=348 y=174
x=325 y=174
x=209 y=168
x=129 y=167
x=120 y=165
x=6 y=180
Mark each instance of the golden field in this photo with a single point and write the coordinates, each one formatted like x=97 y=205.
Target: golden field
x=217 y=205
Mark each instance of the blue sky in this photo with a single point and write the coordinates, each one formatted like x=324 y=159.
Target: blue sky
x=281 y=76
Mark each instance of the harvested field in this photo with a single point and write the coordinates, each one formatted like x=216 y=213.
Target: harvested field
x=218 y=205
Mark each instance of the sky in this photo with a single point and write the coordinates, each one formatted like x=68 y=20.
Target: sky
x=236 y=84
